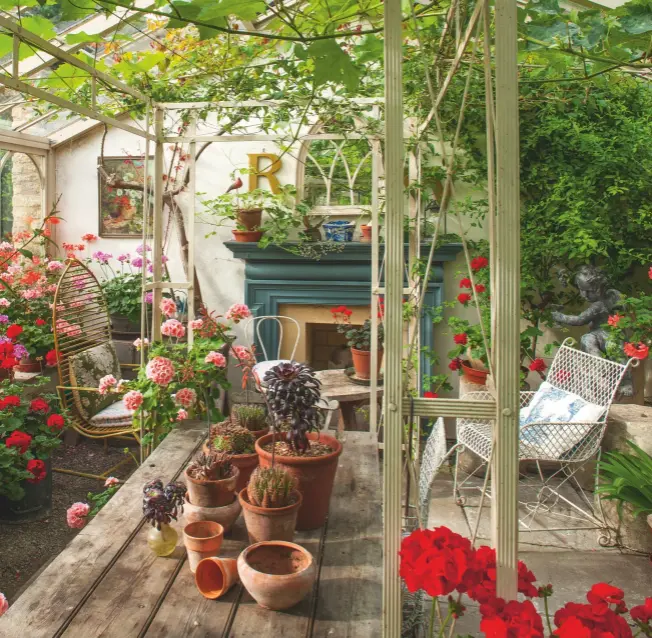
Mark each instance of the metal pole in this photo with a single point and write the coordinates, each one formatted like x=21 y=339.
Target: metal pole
x=506 y=258
x=375 y=283
x=192 y=150
x=157 y=254
x=393 y=397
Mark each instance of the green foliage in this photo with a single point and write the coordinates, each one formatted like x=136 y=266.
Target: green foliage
x=632 y=324
x=252 y=417
x=628 y=479
x=123 y=295
x=98 y=500
x=235 y=440
x=214 y=466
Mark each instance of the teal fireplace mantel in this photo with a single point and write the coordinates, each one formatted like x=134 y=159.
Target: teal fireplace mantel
x=274 y=276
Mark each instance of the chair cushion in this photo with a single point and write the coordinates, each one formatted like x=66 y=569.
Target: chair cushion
x=260 y=369
x=86 y=370
x=552 y=405
x=114 y=415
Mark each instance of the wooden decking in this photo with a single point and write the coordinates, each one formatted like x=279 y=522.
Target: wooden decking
x=107 y=583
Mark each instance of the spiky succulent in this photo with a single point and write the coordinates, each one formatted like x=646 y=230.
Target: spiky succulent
x=162 y=504
x=292 y=395
x=235 y=440
x=270 y=487
x=212 y=467
x=252 y=417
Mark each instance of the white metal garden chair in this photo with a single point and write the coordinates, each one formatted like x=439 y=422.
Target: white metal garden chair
x=564 y=423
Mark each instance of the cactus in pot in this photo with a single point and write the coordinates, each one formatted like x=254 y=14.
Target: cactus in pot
x=271 y=487
x=211 y=479
x=240 y=444
x=251 y=417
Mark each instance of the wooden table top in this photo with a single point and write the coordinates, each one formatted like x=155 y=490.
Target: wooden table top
x=107 y=582
x=335 y=384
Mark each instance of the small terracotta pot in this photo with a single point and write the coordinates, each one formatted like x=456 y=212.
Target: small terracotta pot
x=252 y=236
x=277 y=574
x=207 y=493
x=314 y=476
x=202 y=540
x=362 y=362
x=270 y=523
x=215 y=576
x=365 y=233
x=27 y=365
x=473 y=375
x=251 y=218
x=225 y=515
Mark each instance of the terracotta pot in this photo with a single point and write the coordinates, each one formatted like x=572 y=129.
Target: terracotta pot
x=362 y=362
x=225 y=515
x=277 y=574
x=365 y=233
x=207 y=493
x=250 y=219
x=215 y=576
x=314 y=475
x=270 y=523
x=251 y=236
x=27 y=365
x=202 y=540
x=246 y=463
x=473 y=375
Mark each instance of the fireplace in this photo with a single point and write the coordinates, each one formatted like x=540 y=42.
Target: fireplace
x=281 y=283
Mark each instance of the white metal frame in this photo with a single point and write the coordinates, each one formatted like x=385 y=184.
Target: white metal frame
x=253 y=326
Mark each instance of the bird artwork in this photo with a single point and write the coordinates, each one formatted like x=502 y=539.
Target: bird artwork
x=235 y=186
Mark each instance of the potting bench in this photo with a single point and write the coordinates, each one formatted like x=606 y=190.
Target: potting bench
x=108 y=583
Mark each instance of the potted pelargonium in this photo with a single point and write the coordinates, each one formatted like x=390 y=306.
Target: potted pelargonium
x=292 y=396
x=358 y=338
x=445 y=565
x=30 y=429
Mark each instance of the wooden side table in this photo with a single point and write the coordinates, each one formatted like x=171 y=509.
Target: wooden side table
x=336 y=385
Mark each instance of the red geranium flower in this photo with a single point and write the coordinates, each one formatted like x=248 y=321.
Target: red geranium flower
x=19 y=440
x=465 y=283
x=14 y=330
x=39 y=405
x=642 y=613
x=478 y=263
x=37 y=468
x=510 y=620
x=40 y=322
x=639 y=351
x=461 y=339
x=464 y=298
x=602 y=595
x=55 y=422
x=429 y=394
x=614 y=320
x=11 y=401
x=480 y=288
x=538 y=365
x=51 y=358
x=455 y=364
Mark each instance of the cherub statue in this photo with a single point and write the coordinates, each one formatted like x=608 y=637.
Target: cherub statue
x=592 y=284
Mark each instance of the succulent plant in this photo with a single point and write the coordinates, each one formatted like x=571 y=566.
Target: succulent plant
x=235 y=440
x=292 y=395
x=252 y=417
x=162 y=504
x=214 y=466
x=270 y=487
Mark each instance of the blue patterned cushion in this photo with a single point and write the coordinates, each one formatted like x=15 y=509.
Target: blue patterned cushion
x=552 y=405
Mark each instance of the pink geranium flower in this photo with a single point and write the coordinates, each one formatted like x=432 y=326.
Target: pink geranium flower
x=76 y=515
x=160 y=370
x=237 y=312
x=216 y=358
x=106 y=383
x=4 y=604
x=111 y=481
x=181 y=415
x=168 y=307
x=243 y=355
x=141 y=343
x=173 y=328
x=196 y=324
x=54 y=266
x=132 y=400
x=185 y=397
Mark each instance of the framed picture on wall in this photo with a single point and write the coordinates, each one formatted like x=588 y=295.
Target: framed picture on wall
x=121 y=209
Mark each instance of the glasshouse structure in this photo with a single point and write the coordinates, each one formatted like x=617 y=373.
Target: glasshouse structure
x=325 y=318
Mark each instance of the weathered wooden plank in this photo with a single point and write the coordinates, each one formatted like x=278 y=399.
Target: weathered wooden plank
x=44 y=607
x=350 y=588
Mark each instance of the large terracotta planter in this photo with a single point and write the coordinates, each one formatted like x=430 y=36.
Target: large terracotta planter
x=215 y=576
x=27 y=365
x=474 y=375
x=314 y=476
x=225 y=515
x=362 y=362
x=207 y=493
x=270 y=523
x=251 y=219
x=277 y=574
x=202 y=539
x=252 y=236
